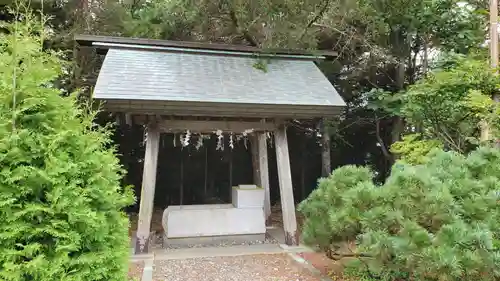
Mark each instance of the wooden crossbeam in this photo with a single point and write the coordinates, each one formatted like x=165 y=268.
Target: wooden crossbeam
x=196 y=126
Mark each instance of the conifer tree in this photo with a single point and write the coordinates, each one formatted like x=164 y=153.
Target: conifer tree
x=60 y=196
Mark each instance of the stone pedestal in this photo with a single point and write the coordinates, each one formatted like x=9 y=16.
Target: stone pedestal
x=242 y=220
x=212 y=220
x=248 y=196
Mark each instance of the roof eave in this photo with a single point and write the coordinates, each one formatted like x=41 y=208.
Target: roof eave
x=103 y=43
x=106 y=46
x=213 y=109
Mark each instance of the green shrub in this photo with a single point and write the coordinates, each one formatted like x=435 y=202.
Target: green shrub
x=327 y=198
x=435 y=221
x=366 y=271
x=413 y=149
x=60 y=198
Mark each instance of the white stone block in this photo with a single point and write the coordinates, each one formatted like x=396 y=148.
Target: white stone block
x=248 y=197
x=247 y=186
x=212 y=220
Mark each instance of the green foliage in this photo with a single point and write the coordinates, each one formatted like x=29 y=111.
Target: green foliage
x=450 y=102
x=60 y=196
x=414 y=150
x=263 y=23
x=325 y=199
x=164 y=19
x=261 y=64
x=435 y=221
x=394 y=29
x=354 y=268
x=267 y=24
x=381 y=100
x=487 y=109
x=363 y=271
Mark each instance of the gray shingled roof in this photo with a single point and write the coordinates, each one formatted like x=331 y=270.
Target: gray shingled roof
x=212 y=85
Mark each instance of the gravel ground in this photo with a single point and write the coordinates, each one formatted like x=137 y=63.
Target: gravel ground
x=268 y=267
x=322 y=263
x=135 y=270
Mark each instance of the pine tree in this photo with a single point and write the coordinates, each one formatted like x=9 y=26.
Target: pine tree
x=60 y=196
x=436 y=221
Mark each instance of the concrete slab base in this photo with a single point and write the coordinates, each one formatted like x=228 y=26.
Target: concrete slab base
x=308 y=266
x=213 y=240
x=296 y=249
x=277 y=233
x=147 y=273
x=141 y=257
x=188 y=253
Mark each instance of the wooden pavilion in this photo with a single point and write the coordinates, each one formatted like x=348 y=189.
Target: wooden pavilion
x=171 y=86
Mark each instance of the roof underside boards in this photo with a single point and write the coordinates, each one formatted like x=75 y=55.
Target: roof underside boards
x=146 y=82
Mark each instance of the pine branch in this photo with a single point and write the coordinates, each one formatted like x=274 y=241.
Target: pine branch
x=336 y=256
x=316 y=18
x=248 y=37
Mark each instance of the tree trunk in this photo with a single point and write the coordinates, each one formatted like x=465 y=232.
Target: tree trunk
x=397 y=129
x=325 y=150
x=485 y=127
x=425 y=62
x=398 y=122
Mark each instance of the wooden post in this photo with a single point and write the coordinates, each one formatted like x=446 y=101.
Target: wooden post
x=286 y=188
x=143 y=235
x=264 y=173
x=254 y=149
x=128 y=119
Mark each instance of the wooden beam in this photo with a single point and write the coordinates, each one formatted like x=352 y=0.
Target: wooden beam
x=142 y=118
x=194 y=126
x=143 y=241
x=264 y=174
x=221 y=110
x=286 y=188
